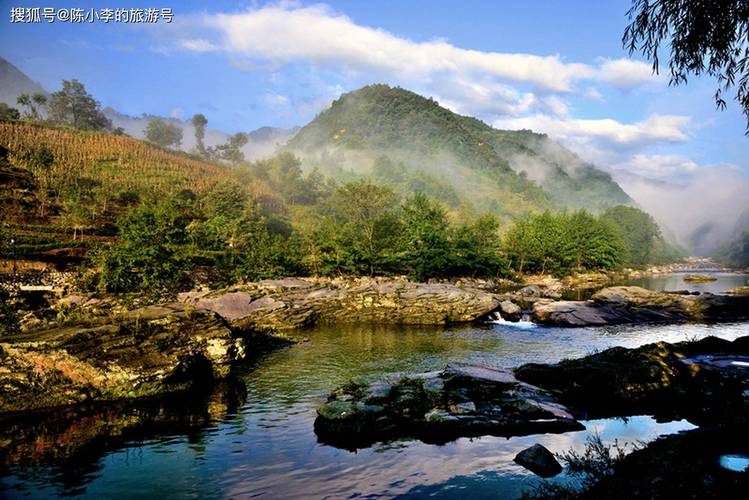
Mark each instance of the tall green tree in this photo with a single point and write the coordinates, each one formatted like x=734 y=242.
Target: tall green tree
x=231 y=150
x=640 y=233
x=74 y=106
x=426 y=240
x=199 y=121
x=368 y=227
x=162 y=133
x=477 y=250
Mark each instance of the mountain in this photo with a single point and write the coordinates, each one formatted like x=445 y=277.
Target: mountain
x=503 y=171
x=14 y=82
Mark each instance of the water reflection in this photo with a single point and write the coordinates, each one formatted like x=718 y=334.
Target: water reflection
x=260 y=441
x=675 y=281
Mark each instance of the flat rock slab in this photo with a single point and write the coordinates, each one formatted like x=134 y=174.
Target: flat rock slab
x=439 y=406
x=631 y=304
x=293 y=303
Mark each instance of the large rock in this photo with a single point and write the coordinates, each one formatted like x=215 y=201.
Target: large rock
x=510 y=311
x=286 y=304
x=144 y=352
x=539 y=460
x=631 y=304
x=703 y=380
x=439 y=406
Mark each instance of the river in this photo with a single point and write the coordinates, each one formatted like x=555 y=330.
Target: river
x=259 y=441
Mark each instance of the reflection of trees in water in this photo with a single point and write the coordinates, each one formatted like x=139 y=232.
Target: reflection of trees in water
x=66 y=446
x=337 y=353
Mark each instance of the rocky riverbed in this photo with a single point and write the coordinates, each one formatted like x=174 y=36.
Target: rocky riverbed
x=294 y=303
x=705 y=381
x=629 y=304
x=94 y=349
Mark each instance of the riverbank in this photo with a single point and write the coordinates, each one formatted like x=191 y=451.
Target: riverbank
x=105 y=348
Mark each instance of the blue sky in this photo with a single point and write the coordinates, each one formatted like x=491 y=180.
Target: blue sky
x=553 y=66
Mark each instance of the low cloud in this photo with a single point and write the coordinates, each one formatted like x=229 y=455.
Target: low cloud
x=702 y=209
x=607 y=131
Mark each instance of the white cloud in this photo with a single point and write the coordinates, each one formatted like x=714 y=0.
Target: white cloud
x=607 y=131
x=672 y=167
x=702 y=209
x=469 y=81
x=276 y=99
x=198 y=45
x=625 y=73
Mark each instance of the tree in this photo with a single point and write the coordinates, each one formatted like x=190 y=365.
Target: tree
x=149 y=255
x=706 y=37
x=476 y=249
x=425 y=238
x=8 y=114
x=366 y=222
x=231 y=151
x=199 y=121
x=163 y=134
x=25 y=101
x=640 y=233
x=74 y=106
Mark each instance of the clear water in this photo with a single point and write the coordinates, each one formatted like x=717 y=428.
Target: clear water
x=262 y=443
x=675 y=281
x=735 y=463
x=671 y=282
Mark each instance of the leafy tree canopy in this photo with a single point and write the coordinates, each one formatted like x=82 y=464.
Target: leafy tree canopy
x=162 y=133
x=705 y=37
x=75 y=107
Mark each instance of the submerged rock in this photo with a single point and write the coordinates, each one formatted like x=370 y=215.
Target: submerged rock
x=631 y=304
x=700 y=278
x=439 y=406
x=145 y=352
x=539 y=460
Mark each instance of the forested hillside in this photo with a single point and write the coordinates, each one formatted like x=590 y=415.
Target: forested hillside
x=139 y=216
x=409 y=140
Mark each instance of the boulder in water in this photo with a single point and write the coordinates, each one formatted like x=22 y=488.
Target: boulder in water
x=539 y=460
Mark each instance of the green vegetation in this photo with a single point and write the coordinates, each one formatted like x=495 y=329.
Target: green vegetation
x=703 y=38
x=75 y=107
x=163 y=134
x=199 y=121
x=153 y=220
x=8 y=114
x=642 y=237
x=562 y=243
x=414 y=144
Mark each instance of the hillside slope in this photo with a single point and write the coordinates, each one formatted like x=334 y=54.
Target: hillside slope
x=14 y=82
x=63 y=189
x=506 y=172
